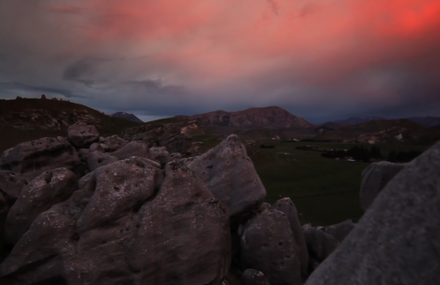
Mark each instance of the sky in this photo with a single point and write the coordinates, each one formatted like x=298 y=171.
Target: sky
x=319 y=59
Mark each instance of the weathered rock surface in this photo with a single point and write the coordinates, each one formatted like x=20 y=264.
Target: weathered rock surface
x=320 y=244
x=97 y=159
x=396 y=241
x=113 y=143
x=34 y=157
x=341 y=230
x=286 y=206
x=134 y=148
x=268 y=245
x=253 y=277
x=39 y=195
x=374 y=178
x=230 y=175
x=131 y=223
x=11 y=183
x=160 y=154
x=82 y=136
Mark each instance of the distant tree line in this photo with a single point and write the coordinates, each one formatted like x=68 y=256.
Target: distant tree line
x=359 y=153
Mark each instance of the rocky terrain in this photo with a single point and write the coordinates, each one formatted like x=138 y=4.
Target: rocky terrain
x=87 y=209
x=127 y=116
x=380 y=131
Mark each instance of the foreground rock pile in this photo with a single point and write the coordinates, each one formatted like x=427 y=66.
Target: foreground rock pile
x=92 y=210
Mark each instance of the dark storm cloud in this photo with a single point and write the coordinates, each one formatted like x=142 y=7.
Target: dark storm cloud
x=77 y=72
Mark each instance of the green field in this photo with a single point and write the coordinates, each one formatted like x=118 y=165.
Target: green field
x=325 y=191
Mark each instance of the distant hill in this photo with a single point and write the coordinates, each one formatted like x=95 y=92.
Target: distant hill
x=426 y=121
x=382 y=131
x=127 y=116
x=27 y=119
x=266 y=117
x=357 y=120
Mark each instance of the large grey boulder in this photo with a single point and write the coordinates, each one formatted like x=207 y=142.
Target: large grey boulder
x=267 y=244
x=35 y=157
x=396 y=241
x=253 y=277
x=230 y=175
x=81 y=135
x=113 y=142
x=97 y=159
x=160 y=154
x=374 y=178
x=286 y=206
x=341 y=230
x=320 y=244
x=131 y=223
x=39 y=195
x=134 y=148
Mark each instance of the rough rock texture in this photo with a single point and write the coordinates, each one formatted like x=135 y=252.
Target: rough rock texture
x=320 y=244
x=253 y=277
x=134 y=148
x=34 y=157
x=39 y=195
x=396 y=241
x=268 y=245
x=113 y=142
x=81 y=135
x=131 y=223
x=230 y=175
x=97 y=159
x=341 y=230
x=160 y=154
x=374 y=178
x=11 y=184
x=286 y=206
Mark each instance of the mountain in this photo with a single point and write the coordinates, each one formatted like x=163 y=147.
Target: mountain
x=358 y=120
x=25 y=119
x=381 y=131
x=266 y=117
x=127 y=116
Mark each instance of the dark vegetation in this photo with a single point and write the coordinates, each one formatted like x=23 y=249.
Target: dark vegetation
x=359 y=153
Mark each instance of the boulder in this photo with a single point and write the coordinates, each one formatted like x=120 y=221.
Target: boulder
x=341 y=230
x=396 y=240
x=320 y=244
x=253 y=277
x=39 y=195
x=231 y=176
x=82 y=136
x=160 y=154
x=83 y=154
x=97 y=159
x=268 y=245
x=134 y=148
x=113 y=143
x=35 y=157
x=286 y=206
x=374 y=178
x=131 y=223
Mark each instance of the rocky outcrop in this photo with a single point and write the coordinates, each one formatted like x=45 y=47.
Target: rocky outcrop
x=97 y=159
x=130 y=223
x=253 y=277
x=39 y=195
x=286 y=206
x=374 y=178
x=113 y=142
x=267 y=244
x=160 y=154
x=134 y=148
x=82 y=136
x=395 y=242
x=34 y=157
x=230 y=175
